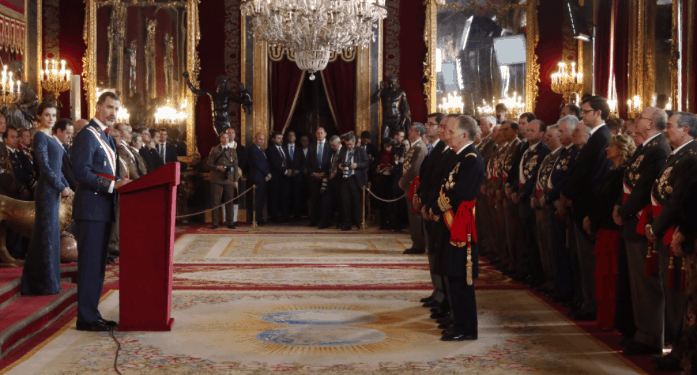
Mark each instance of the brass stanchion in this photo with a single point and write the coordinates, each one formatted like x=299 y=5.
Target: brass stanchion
x=254 y=227
x=364 y=226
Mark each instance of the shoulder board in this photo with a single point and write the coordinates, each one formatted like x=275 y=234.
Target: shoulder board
x=471 y=154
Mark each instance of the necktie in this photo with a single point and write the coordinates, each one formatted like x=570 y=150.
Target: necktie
x=162 y=151
x=348 y=163
x=291 y=152
x=320 y=149
x=430 y=148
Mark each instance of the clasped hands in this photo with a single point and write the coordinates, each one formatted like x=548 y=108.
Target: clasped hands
x=268 y=177
x=67 y=192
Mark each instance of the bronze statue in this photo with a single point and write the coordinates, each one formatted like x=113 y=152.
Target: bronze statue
x=220 y=100
x=395 y=109
x=19 y=216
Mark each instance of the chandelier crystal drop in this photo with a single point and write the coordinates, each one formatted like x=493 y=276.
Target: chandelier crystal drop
x=315 y=28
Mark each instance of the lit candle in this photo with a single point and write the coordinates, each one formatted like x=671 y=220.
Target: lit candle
x=46 y=65
x=63 y=65
x=67 y=75
x=18 y=85
x=11 y=85
x=54 y=64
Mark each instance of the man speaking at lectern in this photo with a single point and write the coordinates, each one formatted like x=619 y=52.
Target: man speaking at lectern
x=95 y=162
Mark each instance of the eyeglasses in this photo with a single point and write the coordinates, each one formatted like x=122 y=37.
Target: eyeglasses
x=644 y=118
x=588 y=110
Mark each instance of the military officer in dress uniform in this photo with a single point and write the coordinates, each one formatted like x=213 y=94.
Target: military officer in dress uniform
x=522 y=189
x=635 y=206
x=456 y=209
x=496 y=245
x=222 y=161
x=412 y=164
x=544 y=215
x=669 y=191
x=510 y=130
x=486 y=149
x=135 y=146
x=564 y=285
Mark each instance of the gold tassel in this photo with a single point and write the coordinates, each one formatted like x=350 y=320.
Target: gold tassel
x=469 y=259
x=649 y=261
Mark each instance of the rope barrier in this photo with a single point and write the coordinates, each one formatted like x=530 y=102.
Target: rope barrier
x=216 y=207
x=385 y=200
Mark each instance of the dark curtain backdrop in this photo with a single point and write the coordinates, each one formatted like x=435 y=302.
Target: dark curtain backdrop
x=549 y=52
x=72 y=47
x=285 y=79
x=689 y=72
x=621 y=54
x=340 y=83
x=413 y=50
x=603 y=67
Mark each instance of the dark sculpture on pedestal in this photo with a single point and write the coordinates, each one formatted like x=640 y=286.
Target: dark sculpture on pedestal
x=220 y=100
x=395 y=109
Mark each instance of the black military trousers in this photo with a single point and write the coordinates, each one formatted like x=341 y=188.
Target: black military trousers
x=463 y=305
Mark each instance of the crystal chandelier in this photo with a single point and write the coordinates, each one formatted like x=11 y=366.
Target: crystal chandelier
x=452 y=104
x=315 y=28
x=566 y=82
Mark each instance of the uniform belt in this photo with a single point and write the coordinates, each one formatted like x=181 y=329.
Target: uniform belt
x=107 y=176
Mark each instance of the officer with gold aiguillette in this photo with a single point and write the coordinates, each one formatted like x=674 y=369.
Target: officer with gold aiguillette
x=456 y=206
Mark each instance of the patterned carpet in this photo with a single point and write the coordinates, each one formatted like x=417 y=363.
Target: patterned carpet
x=331 y=332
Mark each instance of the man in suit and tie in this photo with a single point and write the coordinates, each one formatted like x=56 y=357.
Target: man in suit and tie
x=317 y=166
x=167 y=152
x=353 y=168
x=135 y=146
x=260 y=174
x=20 y=176
x=95 y=164
x=584 y=181
x=280 y=174
x=63 y=131
x=296 y=159
x=222 y=161
x=367 y=146
x=412 y=164
x=149 y=152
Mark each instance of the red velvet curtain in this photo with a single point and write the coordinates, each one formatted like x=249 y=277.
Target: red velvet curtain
x=340 y=82
x=621 y=54
x=603 y=59
x=284 y=82
x=689 y=73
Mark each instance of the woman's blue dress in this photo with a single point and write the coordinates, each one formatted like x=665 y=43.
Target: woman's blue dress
x=41 y=274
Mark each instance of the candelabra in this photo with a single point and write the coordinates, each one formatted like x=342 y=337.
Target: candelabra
x=122 y=116
x=452 y=104
x=54 y=80
x=567 y=82
x=634 y=107
x=612 y=103
x=486 y=109
x=8 y=93
x=166 y=116
x=514 y=105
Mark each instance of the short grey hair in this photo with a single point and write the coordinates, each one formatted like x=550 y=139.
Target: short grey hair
x=491 y=120
x=565 y=121
x=469 y=125
x=554 y=127
x=335 y=139
x=659 y=118
x=419 y=127
x=349 y=138
x=689 y=120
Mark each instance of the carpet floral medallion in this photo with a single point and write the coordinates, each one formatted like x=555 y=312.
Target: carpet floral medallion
x=330 y=332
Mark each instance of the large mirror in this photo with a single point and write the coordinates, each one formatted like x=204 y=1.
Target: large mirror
x=664 y=42
x=140 y=50
x=481 y=52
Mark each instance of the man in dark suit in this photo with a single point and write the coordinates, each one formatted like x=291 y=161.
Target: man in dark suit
x=149 y=154
x=95 y=162
x=367 y=146
x=353 y=168
x=280 y=173
x=584 y=181
x=331 y=193
x=167 y=151
x=63 y=130
x=260 y=174
x=523 y=187
x=643 y=168
x=317 y=166
x=296 y=161
x=456 y=208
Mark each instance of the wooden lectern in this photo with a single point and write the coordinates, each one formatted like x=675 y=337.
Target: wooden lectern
x=146 y=230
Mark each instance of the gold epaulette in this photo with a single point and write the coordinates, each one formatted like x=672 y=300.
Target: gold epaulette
x=471 y=154
x=444 y=202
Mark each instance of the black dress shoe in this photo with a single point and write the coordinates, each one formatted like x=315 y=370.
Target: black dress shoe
x=92 y=327
x=231 y=226
x=345 y=228
x=214 y=226
x=584 y=316
x=426 y=299
x=446 y=325
x=323 y=226
x=439 y=315
x=454 y=336
x=412 y=251
x=313 y=224
x=108 y=323
x=667 y=363
x=638 y=348
x=432 y=303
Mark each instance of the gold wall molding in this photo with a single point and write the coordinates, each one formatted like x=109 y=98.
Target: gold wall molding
x=363 y=90
x=674 y=51
x=242 y=137
x=261 y=110
x=193 y=36
x=532 y=67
